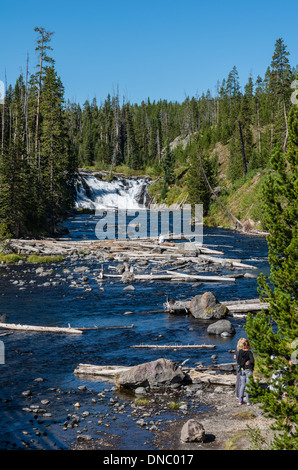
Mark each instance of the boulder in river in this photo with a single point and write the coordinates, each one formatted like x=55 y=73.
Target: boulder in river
x=207 y=307
x=159 y=373
x=127 y=276
x=221 y=327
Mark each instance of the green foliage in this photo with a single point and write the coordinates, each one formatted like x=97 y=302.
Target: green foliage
x=37 y=167
x=44 y=259
x=167 y=165
x=274 y=334
x=174 y=405
x=10 y=258
x=43 y=145
x=198 y=190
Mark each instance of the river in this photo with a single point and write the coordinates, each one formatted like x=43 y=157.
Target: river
x=51 y=358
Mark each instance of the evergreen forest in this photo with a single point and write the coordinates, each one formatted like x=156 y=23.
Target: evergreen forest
x=218 y=140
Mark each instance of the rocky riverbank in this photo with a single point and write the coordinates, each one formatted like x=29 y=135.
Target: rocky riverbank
x=145 y=418
x=227 y=425
x=63 y=411
x=207 y=416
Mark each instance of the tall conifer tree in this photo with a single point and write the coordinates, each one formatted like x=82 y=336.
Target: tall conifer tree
x=274 y=334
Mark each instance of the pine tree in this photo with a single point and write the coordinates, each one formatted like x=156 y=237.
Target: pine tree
x=274 y=334
x=133 y=153
x=87 y=146
x=197 y=187
x=44 y=37
x=56 y=179
x=281 y=76
x=167 y=164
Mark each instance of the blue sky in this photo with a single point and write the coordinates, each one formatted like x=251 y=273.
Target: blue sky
x=158 y=49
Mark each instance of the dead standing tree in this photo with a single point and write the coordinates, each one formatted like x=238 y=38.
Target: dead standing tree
x=237 y=222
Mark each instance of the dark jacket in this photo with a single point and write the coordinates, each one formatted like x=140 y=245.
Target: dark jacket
x=243 y=357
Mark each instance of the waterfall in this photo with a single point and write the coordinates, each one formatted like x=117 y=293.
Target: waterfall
x=93 y=192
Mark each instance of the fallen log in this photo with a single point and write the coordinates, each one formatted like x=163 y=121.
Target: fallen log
x=212 y=379
x=234 y=263
x=107 y=327
x=241 y=306
x=110 y=372
x=46 y=329
x=204 y=278
x=172 y=276
x=255 y=307
x=99 y=371
x=174 y=346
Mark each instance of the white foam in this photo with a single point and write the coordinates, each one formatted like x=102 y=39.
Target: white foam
x=120 y=193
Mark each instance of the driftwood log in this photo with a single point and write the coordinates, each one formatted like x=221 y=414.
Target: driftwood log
x=174 y=346
x=107 y=373
x=173 y=277
x=41 y=329
x=137 y=249
x=99 y=371
x=234 y=307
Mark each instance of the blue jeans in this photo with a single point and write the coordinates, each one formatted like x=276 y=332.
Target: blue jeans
x=244 y=378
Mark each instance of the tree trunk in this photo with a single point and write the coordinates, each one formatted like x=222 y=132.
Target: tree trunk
x=259 y=130
x=38 y=108
x=242 y=149
x=287 y=129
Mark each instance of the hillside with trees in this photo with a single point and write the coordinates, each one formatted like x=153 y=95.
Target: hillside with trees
x=234 y=131
x=223 y=142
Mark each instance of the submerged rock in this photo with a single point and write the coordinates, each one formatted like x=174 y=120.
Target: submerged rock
x=129 y=288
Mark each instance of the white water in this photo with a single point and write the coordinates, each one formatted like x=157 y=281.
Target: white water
x=121 y=193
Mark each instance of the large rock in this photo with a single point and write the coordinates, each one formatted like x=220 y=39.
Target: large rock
x=192 y=431
x=207 y=307
x=161 y=372
x=221 y=327
x=127 y=276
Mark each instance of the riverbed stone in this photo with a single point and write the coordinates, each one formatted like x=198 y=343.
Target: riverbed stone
x=192 y=431
x=207 y=307
x=129 y=288
x=220 y=327
x=140 y=391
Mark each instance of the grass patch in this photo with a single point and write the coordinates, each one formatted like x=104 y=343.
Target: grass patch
x=243 y=414
x=44 y=259
x=142 y=401
x=174 y=406
x=11 y=258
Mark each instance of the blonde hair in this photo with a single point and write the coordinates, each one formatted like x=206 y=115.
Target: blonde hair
x=241 y=343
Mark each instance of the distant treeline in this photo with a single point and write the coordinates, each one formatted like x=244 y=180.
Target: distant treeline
x=44 y=140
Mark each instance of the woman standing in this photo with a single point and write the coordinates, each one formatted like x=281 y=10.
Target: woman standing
x=245 y=361
x=240 y=345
